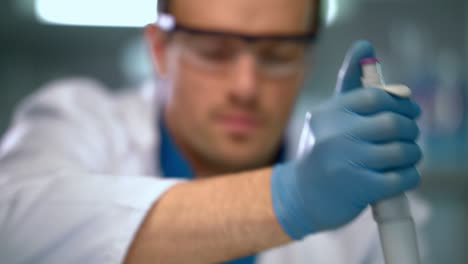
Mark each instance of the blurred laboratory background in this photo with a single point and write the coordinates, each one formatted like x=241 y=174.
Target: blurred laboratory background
x=422 y=43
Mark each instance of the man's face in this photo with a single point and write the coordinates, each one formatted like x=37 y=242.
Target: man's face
x=232 y=115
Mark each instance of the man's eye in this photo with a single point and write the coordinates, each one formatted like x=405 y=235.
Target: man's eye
x=281 y=54
x=279 y=57
x=216 y=53
x=213 y=48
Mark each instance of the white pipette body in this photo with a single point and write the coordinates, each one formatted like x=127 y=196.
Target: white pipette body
x=396 y=225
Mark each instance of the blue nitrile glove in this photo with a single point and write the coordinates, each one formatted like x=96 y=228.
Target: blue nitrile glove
x=364 y=151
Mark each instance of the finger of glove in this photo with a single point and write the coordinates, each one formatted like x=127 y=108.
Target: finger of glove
x=349 y=77
x=390 y=184
x=386 y=157
x=385 y=127
x=371 y=101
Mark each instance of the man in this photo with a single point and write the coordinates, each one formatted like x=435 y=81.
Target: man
x=90 y=177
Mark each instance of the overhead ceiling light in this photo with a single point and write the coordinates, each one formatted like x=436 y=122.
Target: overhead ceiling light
x=116 y=13
x=332 y=11
x=106 y=13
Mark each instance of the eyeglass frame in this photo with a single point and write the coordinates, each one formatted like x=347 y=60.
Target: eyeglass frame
x=168 y=24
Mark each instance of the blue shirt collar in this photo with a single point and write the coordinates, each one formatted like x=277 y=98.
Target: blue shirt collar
x=173 y=163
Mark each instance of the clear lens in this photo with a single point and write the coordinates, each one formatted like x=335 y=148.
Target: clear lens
x=220 y=53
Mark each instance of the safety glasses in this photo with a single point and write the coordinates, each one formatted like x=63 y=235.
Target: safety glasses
x=216 y=51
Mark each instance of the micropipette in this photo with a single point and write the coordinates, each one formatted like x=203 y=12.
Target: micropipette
x=396 y=225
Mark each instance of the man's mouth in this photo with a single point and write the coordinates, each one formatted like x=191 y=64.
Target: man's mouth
x=239 y=124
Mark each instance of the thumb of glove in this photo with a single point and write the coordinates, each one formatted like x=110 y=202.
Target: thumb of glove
x=349 y=77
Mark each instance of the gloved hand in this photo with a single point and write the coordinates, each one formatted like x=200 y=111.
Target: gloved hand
x=364 y=151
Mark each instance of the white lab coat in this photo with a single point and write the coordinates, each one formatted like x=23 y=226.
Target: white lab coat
x=78 y=173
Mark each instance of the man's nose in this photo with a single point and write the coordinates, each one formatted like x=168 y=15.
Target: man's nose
x=244 y=81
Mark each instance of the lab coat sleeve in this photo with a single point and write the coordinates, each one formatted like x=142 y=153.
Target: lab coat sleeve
x=73 y=218
x=67 y=124
x=58 y=202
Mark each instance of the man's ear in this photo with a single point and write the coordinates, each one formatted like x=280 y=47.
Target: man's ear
x=156 y=41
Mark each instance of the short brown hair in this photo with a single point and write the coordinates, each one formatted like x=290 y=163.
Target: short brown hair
x=163 y=8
